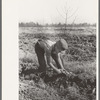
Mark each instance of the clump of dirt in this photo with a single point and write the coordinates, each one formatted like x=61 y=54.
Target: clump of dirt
x=30 y=90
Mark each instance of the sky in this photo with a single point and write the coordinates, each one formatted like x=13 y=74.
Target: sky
x=54 y=11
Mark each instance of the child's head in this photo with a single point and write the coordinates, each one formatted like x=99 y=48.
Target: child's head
x=61 y=45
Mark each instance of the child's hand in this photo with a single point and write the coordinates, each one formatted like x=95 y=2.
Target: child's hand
x=59 y=71
x=64 y=71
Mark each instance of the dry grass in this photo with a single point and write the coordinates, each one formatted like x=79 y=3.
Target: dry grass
x=79 y=59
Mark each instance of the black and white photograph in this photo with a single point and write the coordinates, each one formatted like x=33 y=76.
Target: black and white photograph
x=57 y=49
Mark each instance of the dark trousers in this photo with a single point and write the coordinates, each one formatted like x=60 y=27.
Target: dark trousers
x=40 y=50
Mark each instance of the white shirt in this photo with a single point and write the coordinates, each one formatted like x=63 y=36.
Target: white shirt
x=50 y=43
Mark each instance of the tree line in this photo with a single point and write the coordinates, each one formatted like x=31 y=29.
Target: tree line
x=32 y=24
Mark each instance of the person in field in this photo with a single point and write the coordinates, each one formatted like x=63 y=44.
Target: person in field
x=47 y=50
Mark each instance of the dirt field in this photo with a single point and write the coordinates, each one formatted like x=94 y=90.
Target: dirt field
x=79 y=59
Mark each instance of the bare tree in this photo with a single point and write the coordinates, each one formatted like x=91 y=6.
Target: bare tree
x=67 y=16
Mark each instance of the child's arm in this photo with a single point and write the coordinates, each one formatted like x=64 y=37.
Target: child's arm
x=48 y=60
x=60 y=60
